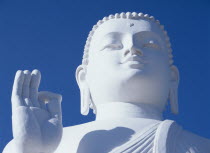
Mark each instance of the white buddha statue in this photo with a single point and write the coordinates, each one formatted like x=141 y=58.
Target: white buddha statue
x=127 y=76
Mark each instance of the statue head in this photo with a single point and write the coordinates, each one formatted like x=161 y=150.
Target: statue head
x=128 y=58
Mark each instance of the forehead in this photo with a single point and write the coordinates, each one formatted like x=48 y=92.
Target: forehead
x=126 y=26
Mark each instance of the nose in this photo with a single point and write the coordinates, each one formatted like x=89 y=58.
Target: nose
x=132 y=50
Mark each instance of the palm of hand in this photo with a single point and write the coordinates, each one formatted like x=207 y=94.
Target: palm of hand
x=37 y=122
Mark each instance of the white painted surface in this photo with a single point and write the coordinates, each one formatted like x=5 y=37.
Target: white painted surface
x=128 y=80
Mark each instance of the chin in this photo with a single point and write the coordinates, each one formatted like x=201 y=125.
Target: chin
x=134 y=85
x=141 y=89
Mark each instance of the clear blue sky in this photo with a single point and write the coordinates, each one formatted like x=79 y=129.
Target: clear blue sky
x=50 y=36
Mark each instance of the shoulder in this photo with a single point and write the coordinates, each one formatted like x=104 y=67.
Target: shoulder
x=170 y=137
x=71 y=138
x=9 y=147
x=188 y=141
x=166 y=136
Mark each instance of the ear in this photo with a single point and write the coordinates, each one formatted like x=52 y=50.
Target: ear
x=173 y=92
x=84 y=89
x=81 y=75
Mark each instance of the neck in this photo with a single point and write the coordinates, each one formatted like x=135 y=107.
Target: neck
x=123 y=110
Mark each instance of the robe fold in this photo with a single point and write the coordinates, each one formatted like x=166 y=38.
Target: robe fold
x=165 y=137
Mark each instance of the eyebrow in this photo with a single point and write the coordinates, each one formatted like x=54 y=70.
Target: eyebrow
x=113 y=34
x=153 y=34
x=136 y=34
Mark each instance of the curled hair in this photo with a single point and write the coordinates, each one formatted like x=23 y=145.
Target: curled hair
x=128 y=15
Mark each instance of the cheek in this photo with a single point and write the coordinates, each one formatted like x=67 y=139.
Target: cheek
x=158 y=67
x=102 y=67
x=159 y=60
x=105 y=59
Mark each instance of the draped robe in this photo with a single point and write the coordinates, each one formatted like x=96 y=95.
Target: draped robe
x=165 y=137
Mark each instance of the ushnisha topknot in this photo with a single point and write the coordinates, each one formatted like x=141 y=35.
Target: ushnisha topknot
x=128 y=15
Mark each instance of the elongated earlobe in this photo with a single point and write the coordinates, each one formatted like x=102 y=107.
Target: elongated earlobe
x=85 y=96
x=173 y=92
x=85 y=101
x=173 y=97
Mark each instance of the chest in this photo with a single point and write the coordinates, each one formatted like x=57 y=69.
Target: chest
x=95 y=139
x=104 y=141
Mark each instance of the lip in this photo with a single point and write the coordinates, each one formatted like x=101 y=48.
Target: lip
x=133 y=59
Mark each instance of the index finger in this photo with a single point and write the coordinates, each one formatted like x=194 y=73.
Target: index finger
x=18 y=83
x=17 y=89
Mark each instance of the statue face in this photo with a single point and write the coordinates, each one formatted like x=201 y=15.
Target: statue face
x=128 y=62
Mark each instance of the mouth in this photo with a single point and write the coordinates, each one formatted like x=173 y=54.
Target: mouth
x=134 y=59
x=134 y=62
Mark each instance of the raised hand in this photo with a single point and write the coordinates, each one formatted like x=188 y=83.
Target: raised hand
x=36 y=116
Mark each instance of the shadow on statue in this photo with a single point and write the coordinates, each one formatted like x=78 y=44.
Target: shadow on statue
x=104 y=141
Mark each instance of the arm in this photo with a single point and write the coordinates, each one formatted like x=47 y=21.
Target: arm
x=36 y=116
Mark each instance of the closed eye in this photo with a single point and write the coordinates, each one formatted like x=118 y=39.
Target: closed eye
x=151 y=45
x=113 y=46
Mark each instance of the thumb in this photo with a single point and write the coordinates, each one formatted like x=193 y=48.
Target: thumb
x=53 y=103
